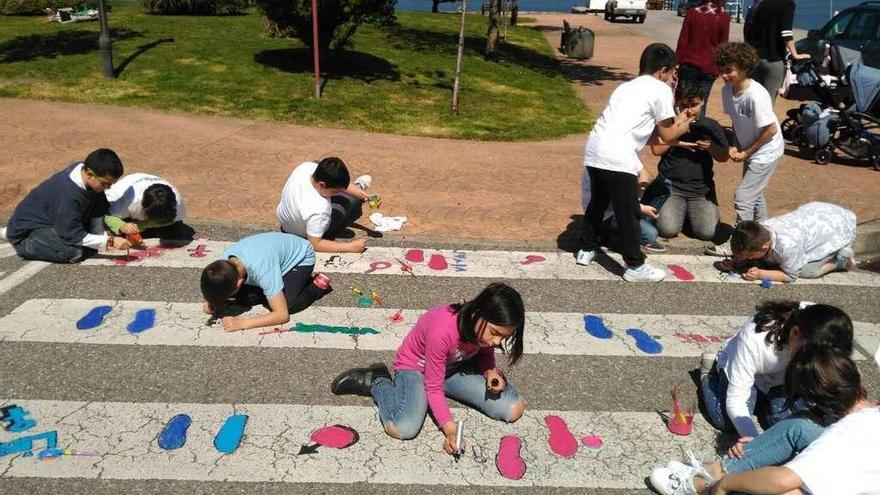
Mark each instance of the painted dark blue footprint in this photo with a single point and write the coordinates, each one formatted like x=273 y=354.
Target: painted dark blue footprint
x=144 y=320
x=645 y=342
x=93 y=318
x=173 y=436
x=229 y=436
x=596 y=327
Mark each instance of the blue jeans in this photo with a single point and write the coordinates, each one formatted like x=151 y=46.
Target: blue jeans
x=647 y=231
x=46 y=245
x=776 y=446
x=403 y=402
x=713 y=394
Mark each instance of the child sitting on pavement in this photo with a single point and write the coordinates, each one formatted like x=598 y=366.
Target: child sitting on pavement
x=809 y=242
x=62 y=219
x=141 y=202
x=273 y=269
x=319 y=199
x=687 y=166
x=635 y=110
x=800 y=454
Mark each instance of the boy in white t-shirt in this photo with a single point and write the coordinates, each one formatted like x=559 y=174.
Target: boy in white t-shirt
x=635 y=109
x=141 y=202
x=319 y=199
x=760 y=142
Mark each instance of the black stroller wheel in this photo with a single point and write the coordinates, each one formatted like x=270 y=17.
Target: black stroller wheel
x=822 y=156
x=788 y=125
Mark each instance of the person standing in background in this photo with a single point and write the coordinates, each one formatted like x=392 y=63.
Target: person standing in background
x=705 y=27
x=769 y=31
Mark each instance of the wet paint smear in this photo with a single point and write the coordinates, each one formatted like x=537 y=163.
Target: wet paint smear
x=335 y=436
x=318 y=328
x=415 y=256
x=93 y=318
x=438 y=262
x=562 y=442
x=173 y=436
x=596 y=327
x=144 y=319
x=645 y=342
x=680 y=272
x=592 y=442
x=509 y=461
x=229 y=437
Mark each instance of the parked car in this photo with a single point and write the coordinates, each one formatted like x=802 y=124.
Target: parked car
x=855 y=28
x=683 y=5
x=634 y=9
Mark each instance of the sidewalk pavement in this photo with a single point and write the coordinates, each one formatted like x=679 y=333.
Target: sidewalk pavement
x=232 y=170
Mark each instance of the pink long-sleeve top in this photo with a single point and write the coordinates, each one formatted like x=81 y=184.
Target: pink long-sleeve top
x=703 y=29
x=430 y=347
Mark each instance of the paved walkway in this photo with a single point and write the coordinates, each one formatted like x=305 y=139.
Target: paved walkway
x=232 y=170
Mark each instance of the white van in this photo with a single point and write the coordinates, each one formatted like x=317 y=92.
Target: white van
x=634 y=9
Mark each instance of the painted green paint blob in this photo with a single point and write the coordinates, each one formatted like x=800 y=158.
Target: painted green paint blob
x=318 y=328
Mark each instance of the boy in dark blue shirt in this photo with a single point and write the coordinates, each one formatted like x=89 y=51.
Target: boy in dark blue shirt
x=61 y=220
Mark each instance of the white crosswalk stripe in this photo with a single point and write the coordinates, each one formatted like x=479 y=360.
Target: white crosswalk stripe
x=54 y=320
x=125 y=437
x=465 y=264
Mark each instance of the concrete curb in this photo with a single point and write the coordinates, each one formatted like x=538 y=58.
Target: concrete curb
x=867 y=238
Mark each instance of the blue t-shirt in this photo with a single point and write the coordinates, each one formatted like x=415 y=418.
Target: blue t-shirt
x=268 y=257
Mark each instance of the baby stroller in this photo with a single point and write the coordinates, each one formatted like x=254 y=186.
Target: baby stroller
x=845 y=117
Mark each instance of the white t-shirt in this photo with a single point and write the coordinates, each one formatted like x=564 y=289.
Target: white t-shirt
x=749 y=361
x=843 y=460
x=627 y=123
x=302 y=211
x=750 y=112
x=126 y=196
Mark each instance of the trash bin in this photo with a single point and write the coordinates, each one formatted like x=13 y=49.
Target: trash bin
x=579 y=44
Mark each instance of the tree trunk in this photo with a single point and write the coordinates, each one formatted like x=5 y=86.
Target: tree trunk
x=436 y=7
x=514 y=13
x=492 y=33
x=456 y=87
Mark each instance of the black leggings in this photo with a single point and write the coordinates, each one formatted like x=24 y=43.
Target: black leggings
x=299 y=291
x=621 y=190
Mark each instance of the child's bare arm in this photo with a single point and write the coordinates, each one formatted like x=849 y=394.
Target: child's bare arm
x=671 y=128
x=766 y=480
x=356 y=191
x=278 y=315
x=322 y=245
x=753 y=274
x=767 y=133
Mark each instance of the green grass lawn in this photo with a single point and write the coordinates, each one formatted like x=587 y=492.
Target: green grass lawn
x=396 y=80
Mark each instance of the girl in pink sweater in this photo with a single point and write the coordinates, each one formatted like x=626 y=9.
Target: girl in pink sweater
x=449 y=352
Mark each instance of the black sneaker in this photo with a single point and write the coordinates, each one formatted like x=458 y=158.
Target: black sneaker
x=654 y=246
x=357 y=381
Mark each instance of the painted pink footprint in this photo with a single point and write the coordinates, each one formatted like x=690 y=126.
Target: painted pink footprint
x=562 y=442
x=680 y=272
x=592 y=442
x=415 y=256
x=438 y=262
x=508 y=460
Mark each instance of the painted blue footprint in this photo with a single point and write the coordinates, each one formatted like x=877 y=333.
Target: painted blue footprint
x=596 y=327
x=144 y=319
x=173 y=436
x=645 y=342
x=93 y=318
x=229 y=436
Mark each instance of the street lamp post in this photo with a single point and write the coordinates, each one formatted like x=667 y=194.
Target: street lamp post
x=104 y=44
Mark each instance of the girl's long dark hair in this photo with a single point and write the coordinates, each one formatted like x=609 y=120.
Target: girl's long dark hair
x=818 y=324
x=500 y=305
x=826 y=380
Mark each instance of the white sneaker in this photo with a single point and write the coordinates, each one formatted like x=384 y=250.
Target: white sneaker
x=644 y=273
x=584 y=258
x=3 y=234
x=722 y=250
x=675 y=480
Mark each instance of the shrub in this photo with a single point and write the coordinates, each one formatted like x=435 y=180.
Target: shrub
x=35 y=7
x=337 y=19
x=194 y=7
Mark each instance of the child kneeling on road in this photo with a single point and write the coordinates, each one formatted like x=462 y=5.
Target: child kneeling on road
x=272 y=269
x=808 y=242
x=319 y=199
x=635 y=109
x=141 y=202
